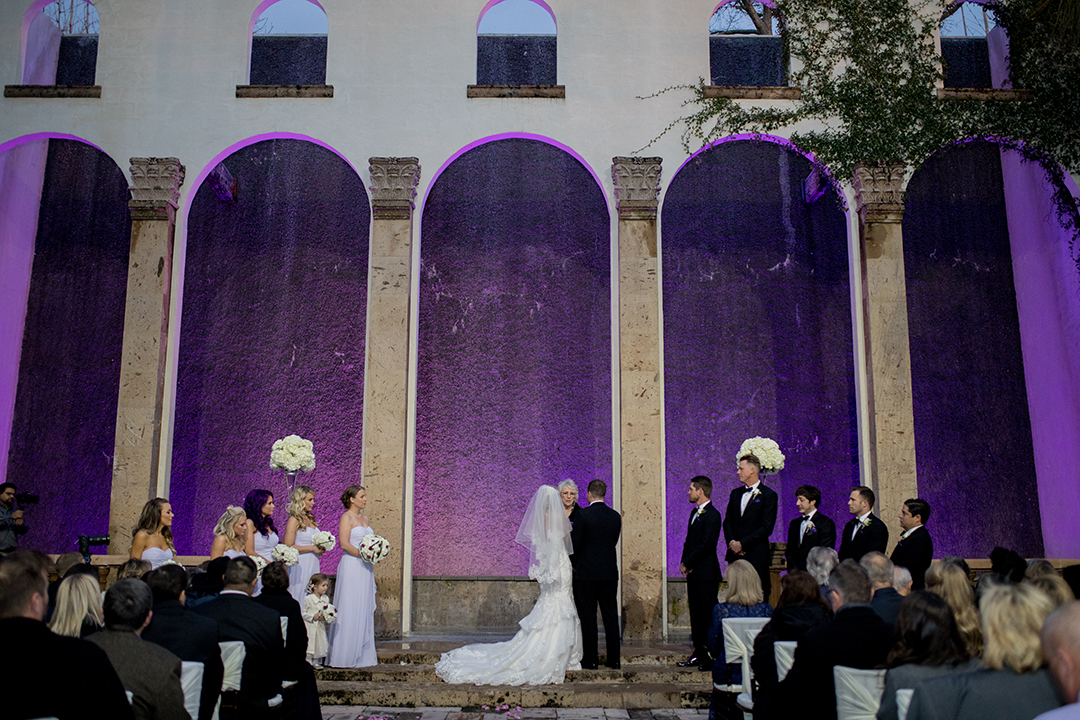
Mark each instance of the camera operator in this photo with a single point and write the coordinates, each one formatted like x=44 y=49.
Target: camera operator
x=11 y=521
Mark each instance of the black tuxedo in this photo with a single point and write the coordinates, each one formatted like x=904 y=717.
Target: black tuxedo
x=703 y=573
x=752 y=528
x=823 y=535
x=190 y=637
x=259 y=628
x=595 y=535
x=874 y=537
x=915 y=552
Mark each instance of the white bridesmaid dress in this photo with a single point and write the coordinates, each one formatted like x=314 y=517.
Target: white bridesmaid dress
x=352 y=636
x=300 y=573
x=156 y=557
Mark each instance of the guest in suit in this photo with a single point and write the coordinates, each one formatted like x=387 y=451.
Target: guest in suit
x=855 y=638
x=751 y=516
x=1060 y=642
x=186 y=634
x=1014 y=682
x=259 y=628
x=568 y=493
x=884 y=599
x=276 y=596
x=864 y=532
x=596 y=575
x=148 y=671
x=915 y=549
x=702 y=569
x=37 y=658
x=928 y=645
x=808 y=531
x=901 y=580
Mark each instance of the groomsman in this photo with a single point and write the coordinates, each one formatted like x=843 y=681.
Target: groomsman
x=810 y=530
x=751 y=516
x=702 y=569
x=864 y=532
x=915 y=550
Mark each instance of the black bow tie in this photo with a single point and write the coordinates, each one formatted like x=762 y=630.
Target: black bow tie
x=747 y=489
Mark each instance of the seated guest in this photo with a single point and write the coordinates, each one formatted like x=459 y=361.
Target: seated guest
x=186 y=634
x=902 y=581
x=78 y=607
x=744 y=599
x=276 y=596
x=928 y=644
x=855 y=638
x=884 y=598
x=1060 y=641
x=960 y=563
x=799 y=610
x=149 y=672
x=64 y=562
x=951 y=583
x=1007 y=565
x=133 y=568
x=206 y=585
x=1037 y=568
x=37 y=658
x=259 y=628
x=1071 y=575
x=1013 y=682
x=819 y=563
x=1055 y=588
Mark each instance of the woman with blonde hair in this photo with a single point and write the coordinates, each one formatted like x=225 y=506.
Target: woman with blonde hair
x=951 y=583
x=744 y=599
x=153 y=541
x=78 y=607
x=299 y=531
x=230 y=534
x=1055 y=588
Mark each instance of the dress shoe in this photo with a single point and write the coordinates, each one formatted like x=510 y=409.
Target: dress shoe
x=613 y=666
x=705 y=666
x=589 y=666
x=692 y=662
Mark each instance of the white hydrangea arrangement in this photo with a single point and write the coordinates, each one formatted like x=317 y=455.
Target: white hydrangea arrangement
x=374 y=548
x=260 y=564
x=324 y=540
x=329 y=614
x=766 y=451
x=293 y=453
x=286 y=554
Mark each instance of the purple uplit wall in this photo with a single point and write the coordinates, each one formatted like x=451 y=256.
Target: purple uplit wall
x=69 y=373
x=757 y=330
x=272 y=336
x=972 y=428
x=514 y=355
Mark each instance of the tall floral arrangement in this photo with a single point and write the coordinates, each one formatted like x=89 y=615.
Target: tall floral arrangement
x=766 y=451
x=293 y=453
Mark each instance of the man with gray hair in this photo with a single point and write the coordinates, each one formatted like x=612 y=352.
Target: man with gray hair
x=885 y=600
x=148 y=671
x=1061 y=647
x=901 y=580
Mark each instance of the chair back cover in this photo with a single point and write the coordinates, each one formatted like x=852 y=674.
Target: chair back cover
x=233 y=653
x=785 y=657
x=739 y=634
x=191 y=675
x=858 y=692
x=284 y=629
x=903 y=702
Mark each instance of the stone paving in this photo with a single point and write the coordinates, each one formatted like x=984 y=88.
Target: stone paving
x=332 y=712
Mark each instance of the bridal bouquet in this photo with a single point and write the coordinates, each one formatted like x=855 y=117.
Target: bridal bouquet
x=324 y=540
x=293 y=453
x=260 y=563
x=329 y=614
x=766 y=451
x=374 y=548
x=286 y=554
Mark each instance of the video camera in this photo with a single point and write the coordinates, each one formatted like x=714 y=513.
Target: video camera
x=85 y=541
x=25 y=498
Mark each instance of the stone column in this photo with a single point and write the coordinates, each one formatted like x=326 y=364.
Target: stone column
x=393 y=187
x=154 y=194
x=637 y=184
x=880 y=205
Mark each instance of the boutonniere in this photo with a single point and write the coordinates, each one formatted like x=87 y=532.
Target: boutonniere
x=700 y=511
x=755 y=493
x=810 y=527
x=863 y=524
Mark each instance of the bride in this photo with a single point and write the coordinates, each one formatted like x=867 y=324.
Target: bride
x=549 y=642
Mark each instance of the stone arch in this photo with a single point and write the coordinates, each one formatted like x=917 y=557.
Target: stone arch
x=524 y=53
x=51 y=56
x=740 y=53
x=286 y=59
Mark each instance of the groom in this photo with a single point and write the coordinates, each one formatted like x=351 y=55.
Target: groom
x=596 y=575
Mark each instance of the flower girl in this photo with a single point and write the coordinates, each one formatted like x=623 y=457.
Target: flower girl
x=318 y=613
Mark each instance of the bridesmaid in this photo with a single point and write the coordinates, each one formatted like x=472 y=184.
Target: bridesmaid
x=261 y=536
x=230 y=534
x=352 y=642
x=299 y=531
x=153 y=541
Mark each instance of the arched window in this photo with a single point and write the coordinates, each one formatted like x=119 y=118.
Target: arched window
x=61 y=44
x=288 y=43
x=968 y=29
x=745 y=47
x=516 y=44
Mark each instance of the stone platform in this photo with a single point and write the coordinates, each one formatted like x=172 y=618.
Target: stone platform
x=405 y=678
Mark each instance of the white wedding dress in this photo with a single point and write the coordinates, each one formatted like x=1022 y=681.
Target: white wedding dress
x=549 y=642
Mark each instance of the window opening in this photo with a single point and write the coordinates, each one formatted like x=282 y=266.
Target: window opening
x=965 y=52
x=745 y=46
x=288 y=44
x=516 y=45
x=78 y=22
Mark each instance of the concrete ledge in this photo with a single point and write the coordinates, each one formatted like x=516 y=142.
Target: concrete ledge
x=517 y=91
x=1015 y=94
x=52 y=91
x=751 y=92
x=284 y=91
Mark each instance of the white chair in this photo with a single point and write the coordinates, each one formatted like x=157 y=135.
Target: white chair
x=191 y=677
x=785 y=657
x=233 y=653
x=858 y=692
x=903 y=702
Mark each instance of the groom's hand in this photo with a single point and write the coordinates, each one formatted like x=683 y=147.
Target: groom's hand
x=684 y=570
x=736 y=547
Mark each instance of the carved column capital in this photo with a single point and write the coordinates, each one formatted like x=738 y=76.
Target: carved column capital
x=393 y=186
x=879 y=195
x=155 y=183
x=637 y=184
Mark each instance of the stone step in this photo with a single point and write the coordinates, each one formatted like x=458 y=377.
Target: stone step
x=568 y=695
x=417 y=673
x=429 y=654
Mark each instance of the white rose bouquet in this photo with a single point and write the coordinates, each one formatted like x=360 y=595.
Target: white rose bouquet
x=374 y=548
x=766 y=451
x=329 y=614
x=260 y=563
x=293 y=453
x=324 y=540
x=286 y=554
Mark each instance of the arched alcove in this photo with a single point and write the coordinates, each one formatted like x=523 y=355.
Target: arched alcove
x=60 y=43
x=745 y=46
x=513 y=382
x=516 y=43
x=288 y=43
x=757 y=329
x=272 y=332
x=65 y=242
